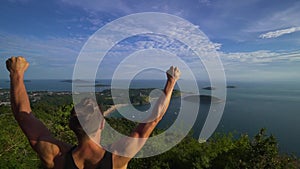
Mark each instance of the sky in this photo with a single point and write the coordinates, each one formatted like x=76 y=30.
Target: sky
x=255 y=39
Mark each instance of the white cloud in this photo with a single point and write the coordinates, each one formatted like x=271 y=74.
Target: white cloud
x=50 y=56
x=205 y=2
x=259 y=57
x=277 y=33
x=59 y=54
x=188 y=34
x=261 y=65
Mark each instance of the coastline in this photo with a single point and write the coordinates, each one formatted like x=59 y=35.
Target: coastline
x=113 y=108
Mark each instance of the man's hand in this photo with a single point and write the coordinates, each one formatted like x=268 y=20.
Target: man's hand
x=17 y=65
x=173 y=73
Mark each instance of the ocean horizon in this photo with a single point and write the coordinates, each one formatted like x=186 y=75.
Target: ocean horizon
x=249 y=107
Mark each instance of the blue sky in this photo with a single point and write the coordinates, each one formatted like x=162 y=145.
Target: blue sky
x=256 y=39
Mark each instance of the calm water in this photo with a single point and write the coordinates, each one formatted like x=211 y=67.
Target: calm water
x=274 y=106
x=249 y=107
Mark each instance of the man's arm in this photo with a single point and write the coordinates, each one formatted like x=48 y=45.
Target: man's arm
x=142 y=132
x=37 y=133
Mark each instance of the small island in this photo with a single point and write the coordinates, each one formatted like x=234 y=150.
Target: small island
x=85 y=83
x=204 y=99
x=77 y=81
x=101 y=85
x=209 y=88
x=213 y=88
x=96 y=85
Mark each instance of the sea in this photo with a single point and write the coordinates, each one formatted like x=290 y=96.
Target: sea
x=250 y=106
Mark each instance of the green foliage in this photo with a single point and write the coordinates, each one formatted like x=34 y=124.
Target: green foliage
x=176 y=93
x=15 y=151
x=220 y=151
x=60 y=127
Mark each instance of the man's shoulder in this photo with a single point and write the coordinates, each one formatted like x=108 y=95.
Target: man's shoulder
x=52 y=152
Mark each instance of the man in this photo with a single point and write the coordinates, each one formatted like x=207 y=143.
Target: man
x=88 y=153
